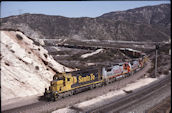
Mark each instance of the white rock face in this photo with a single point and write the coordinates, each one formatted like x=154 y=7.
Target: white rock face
x=91 y=54
x=23 y=71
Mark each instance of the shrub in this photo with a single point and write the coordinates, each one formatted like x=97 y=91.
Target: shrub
x=36 y=67
x=19 y=37
x=166 y=72
x=45 y=55
x=36 y=43
x=45 y=62
x=12 y=51
x=7 y=64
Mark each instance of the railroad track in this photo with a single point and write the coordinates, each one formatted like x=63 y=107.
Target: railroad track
x=133 y=98
x=44 y=107
x=163 y=107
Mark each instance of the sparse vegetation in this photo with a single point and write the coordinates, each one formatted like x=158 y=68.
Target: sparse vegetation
x=164 y=61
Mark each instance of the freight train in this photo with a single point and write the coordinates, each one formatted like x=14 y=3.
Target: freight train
x=70 y=83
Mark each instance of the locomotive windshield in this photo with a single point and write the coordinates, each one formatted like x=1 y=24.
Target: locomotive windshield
x=58 y=77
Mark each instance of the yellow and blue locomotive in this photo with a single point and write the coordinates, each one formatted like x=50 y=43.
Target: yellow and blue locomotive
x=65 y=84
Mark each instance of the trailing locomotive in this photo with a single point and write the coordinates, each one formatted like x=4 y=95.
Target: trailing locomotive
x=65 y=84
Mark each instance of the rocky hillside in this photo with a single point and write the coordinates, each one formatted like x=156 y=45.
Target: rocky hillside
x=151 y=23
x=26 y=69
x=152 y=15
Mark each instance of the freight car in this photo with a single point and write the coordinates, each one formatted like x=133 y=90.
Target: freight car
x=66 y=84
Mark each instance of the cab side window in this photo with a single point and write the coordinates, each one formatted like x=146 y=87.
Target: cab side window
x=68 y=79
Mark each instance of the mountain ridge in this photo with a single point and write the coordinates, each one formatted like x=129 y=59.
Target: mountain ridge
x=149 y=23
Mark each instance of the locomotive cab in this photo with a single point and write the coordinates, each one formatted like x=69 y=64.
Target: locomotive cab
x=57 y=83
x=61 y=83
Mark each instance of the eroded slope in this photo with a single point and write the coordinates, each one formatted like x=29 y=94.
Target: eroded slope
x=26 y=69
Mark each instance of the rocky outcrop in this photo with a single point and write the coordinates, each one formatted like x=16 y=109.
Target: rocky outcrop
x=26 y=68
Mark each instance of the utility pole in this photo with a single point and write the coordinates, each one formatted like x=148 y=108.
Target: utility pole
x=156 y=55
